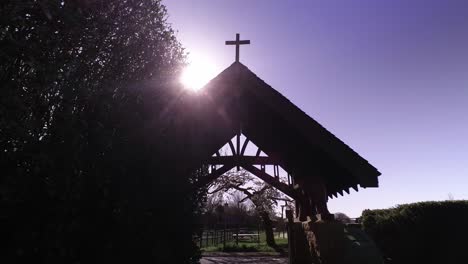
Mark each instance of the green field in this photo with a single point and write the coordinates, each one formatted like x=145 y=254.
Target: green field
x=247 y=246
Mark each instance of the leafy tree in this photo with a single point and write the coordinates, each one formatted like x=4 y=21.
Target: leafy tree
x=87 y=91
x=343 y=218
x=258 y=192
x=220 y=211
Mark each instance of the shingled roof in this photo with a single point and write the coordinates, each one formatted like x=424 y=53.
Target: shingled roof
x=281 y=129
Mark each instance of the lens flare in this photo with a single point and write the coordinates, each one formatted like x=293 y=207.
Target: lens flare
x=197 y=73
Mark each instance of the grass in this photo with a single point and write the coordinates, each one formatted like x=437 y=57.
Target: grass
x=245 y=246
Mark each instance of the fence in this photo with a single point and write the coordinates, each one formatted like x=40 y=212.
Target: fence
x=214 y=237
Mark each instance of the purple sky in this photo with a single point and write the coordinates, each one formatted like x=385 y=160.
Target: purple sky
x=390 y=78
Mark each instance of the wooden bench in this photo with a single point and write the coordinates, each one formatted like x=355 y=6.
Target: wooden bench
x=246 y=236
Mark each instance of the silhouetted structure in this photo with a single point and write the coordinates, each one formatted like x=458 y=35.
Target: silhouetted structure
x=238 y=102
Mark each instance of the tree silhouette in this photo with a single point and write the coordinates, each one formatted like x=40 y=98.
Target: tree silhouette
x=84 y=89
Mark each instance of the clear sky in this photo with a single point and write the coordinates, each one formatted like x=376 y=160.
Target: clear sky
x=390 y=78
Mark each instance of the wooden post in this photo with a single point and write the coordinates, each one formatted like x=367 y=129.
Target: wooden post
x=258 y=234
x=200 y=242
x=200 y=239
x=224 y=236
x=291 y=246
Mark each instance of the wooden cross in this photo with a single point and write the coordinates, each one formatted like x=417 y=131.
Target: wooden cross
x=237 y=42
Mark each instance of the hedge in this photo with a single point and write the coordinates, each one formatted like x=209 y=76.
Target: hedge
x=424 y=232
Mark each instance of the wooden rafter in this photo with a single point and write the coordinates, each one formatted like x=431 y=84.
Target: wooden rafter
x=233 y=150
x=243 y=159
x=238 y=146
x=238 y=143
x=213 y=175
x=258 y=153
x=238 y=159
x=286 y=189
x=276 y=171
x=244 y=146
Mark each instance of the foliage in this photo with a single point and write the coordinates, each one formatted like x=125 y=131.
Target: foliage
x=262 y=195
x=85 y=101
x=244 y=187
x=425 y=232
x=343 y=218
x=220 y=212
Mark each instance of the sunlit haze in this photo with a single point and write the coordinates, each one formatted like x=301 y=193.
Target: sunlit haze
x=198 y=72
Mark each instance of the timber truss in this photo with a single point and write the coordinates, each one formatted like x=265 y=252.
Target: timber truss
x=221 y=163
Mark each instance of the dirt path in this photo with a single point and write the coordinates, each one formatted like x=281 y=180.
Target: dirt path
x=243 y=258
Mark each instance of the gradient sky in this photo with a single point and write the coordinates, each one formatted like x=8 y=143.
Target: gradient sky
x=390 y=78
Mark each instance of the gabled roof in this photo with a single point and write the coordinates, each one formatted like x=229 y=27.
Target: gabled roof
x=237 y=95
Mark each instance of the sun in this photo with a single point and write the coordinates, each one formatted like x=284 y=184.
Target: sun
x=197 y=73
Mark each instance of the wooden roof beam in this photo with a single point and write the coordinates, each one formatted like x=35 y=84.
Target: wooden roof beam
x=252 y=160
x=284 y=188
x=213 y=176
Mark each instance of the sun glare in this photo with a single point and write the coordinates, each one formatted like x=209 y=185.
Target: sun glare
x=198 y=73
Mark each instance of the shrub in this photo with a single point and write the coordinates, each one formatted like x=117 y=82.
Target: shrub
x=425 y=232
